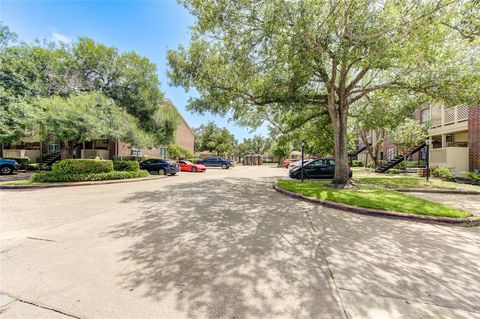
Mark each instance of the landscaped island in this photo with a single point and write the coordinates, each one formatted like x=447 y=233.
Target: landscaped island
x=371 y=196
x=85 y=170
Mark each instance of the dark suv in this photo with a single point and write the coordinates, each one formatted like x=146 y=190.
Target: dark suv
x=215 y=162
x=320 y=168
x=160 y=166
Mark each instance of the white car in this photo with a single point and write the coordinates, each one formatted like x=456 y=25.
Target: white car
x=296 y=164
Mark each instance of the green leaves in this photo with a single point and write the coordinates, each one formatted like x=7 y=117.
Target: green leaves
x=29 y=72
x=409 y=135
x=80 y=117
x=210 y=137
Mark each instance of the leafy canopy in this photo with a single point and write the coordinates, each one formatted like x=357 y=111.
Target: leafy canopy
x=251 y=57
x=210 y=137
x=28 y=72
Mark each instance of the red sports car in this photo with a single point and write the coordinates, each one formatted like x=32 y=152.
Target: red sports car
x=187 y=166
x=287 y=162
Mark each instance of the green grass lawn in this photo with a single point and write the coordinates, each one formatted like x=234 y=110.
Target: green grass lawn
x=20 y=182
x=364 y=177
x=371 y=197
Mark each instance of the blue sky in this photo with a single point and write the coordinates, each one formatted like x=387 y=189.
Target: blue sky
x=147 y=27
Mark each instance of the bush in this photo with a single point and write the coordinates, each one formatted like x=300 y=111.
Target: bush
x=126 y=166
x=23 y=162
x=473 y=175
x=356 y=163
x=395 y=171
x=176 y=152
x=410 y=164
x=445 y=173
x=52 y=177
x=82 y=166
x=131 y=158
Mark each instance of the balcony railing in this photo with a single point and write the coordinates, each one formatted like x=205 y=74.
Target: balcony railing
x=441 y=115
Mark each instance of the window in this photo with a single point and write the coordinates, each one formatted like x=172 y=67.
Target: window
x=390 y=153
x=424 y=116
x=316 y=164
x=163 y=152
x=423 y=153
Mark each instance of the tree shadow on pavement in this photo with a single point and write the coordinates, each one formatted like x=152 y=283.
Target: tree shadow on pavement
x=226 y=248
x=233 y=248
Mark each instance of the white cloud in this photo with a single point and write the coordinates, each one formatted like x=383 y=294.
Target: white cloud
x=58 y=37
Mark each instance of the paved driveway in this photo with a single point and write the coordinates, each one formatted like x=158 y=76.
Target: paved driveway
x=224 y=245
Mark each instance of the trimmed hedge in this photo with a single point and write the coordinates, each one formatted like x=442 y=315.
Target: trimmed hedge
x=52 y=177
x=82 y=166
x=357 y=163
x=126 y=166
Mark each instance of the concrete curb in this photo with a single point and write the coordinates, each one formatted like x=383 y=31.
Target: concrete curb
x=465 y=222
x=59 y=185
x=436 y=191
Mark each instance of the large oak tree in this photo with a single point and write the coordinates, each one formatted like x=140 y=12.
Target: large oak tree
x=30 y=73
x=250 y=56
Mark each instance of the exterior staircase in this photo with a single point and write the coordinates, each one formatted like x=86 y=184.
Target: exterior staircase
x=49 y=159
x=358 y=151
x=397 y=160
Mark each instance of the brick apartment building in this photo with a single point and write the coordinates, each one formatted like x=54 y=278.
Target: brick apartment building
x=104 y=148
x=454 y=136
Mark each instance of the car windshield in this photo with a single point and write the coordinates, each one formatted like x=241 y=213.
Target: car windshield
x=187 y=162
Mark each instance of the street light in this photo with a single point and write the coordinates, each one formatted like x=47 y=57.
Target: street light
x=427 y=142
x=303 y=153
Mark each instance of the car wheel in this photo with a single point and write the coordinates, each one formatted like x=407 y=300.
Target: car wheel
x=6 y=170
x=224 y=166
x=194 y=169
x=162 y=172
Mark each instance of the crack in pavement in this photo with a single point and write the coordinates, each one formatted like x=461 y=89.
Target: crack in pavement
x=405 y=299
x=323 y=257
x=29 y=302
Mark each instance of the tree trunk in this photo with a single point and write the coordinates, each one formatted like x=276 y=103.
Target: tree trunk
x=339 y=121
x=66 y=150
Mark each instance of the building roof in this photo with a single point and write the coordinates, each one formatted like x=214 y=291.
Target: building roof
x=169 y=103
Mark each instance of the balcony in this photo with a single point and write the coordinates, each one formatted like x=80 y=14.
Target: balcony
x=454 y=157
x=448 y=119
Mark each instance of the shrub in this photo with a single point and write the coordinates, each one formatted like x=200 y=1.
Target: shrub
x=356 y=163
x=22 y=162
x=131 y=158
x=395 y=171
x=127 y=166
x=445 y=173
x=410 y=164
x=176 y=152
x=52 y=177
x=473 y=175
x=82 y=166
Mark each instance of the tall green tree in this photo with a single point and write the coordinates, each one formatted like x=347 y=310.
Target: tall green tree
x=247 y=57
x=80 y=117
x=408 y=136
x=29 y=72
x=214 y=139
x=378 y=114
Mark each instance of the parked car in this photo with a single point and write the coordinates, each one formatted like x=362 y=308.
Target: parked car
x=320 y=168
x=215 y=162
x=8 y=166
x=296 y=164
x=160 y=166
x=287 y=162
x=187 y=166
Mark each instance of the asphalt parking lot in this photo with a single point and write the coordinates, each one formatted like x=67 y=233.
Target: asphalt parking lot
x=223 y=244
